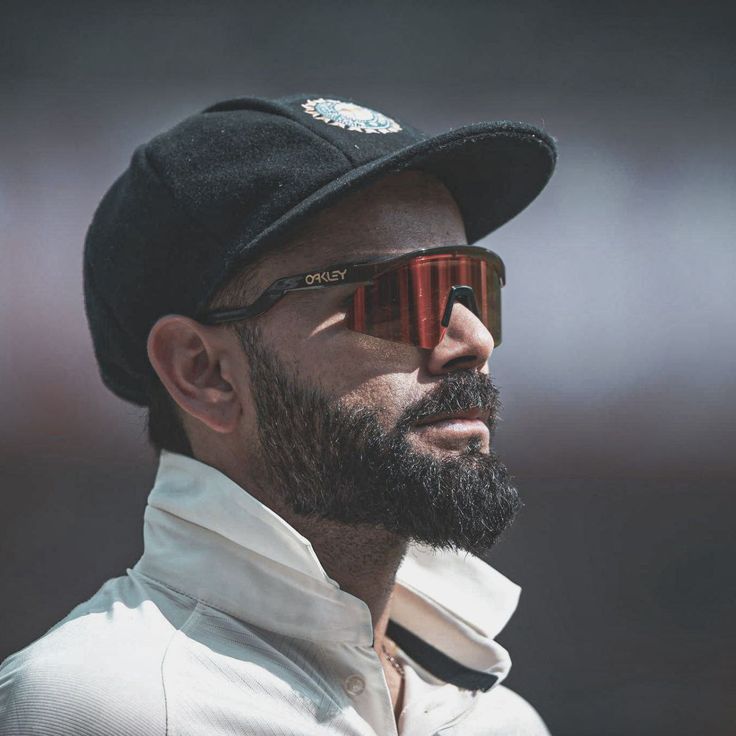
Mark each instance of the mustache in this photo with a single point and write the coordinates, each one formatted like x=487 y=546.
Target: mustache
x=459 y=391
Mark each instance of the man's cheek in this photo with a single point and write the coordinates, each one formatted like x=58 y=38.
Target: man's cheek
x=386 y=397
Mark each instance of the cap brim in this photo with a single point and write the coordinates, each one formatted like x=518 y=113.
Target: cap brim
x=493 y=170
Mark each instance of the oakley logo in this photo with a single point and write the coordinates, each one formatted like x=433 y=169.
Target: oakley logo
x=325 y=277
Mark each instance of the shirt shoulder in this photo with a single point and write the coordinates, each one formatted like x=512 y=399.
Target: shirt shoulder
x=98 y=671
x=503 y=712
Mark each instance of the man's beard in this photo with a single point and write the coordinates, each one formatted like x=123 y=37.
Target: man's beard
x=337 y=462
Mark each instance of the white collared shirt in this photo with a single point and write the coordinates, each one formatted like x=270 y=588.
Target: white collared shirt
x=228 y=624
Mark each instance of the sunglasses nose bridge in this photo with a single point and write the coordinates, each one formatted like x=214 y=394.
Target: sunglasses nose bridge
x=463 y=294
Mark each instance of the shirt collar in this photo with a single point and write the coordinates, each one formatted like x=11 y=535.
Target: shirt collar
x=209 y=538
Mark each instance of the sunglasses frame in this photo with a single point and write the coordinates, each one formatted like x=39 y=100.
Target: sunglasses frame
x=358 y=273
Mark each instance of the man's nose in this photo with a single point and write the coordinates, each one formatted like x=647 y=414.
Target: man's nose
x=467 y=343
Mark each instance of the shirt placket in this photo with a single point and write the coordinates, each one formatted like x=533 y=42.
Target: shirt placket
x=363 y=681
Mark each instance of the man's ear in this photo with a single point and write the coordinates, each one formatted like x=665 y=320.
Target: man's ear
x=196 y=364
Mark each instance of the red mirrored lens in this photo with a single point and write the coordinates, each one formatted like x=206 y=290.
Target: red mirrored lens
x=405 y=304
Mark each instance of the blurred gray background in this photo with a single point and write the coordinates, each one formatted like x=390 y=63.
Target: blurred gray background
x=617 y=368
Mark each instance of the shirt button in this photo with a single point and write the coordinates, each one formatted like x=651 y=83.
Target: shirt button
x=354 y=685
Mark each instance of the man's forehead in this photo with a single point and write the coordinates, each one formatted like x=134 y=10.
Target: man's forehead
x=399 y=214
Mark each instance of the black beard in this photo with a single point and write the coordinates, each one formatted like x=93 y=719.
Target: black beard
x=329 y=461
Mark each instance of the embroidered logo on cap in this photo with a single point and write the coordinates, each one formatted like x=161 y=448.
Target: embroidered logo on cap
x=350 y=116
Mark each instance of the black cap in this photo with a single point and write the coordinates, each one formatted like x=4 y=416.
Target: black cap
x=225 y=184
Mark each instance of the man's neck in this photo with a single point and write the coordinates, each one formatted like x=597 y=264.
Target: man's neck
x=362 y=561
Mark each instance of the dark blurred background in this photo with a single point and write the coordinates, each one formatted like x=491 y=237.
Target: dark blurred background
x=617 y=369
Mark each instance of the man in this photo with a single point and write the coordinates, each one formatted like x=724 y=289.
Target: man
x=287 y=285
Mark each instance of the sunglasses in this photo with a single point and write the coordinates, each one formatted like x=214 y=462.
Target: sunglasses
x=406 y=299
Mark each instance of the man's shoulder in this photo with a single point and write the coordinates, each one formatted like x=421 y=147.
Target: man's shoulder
x=509 y=714
x=96 y=671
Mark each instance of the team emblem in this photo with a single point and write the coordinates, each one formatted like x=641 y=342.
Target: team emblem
x=350 y=116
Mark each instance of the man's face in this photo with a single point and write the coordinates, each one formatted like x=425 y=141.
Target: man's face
x=332 y=427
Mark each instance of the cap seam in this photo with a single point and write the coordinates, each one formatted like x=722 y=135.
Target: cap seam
x=303 y=124
x=497 y=133
x=326 y=140
x=167 y=188
x=279 y=109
